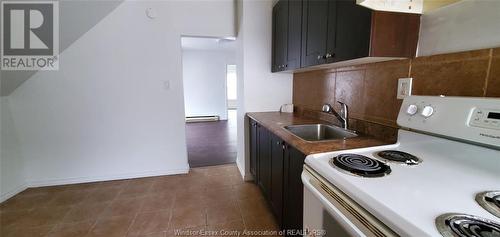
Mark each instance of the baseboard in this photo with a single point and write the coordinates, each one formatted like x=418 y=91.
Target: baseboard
x=52 y=182
x=13 y=192
x=244 y=174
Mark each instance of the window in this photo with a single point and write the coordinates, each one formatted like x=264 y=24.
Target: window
x=231 y=82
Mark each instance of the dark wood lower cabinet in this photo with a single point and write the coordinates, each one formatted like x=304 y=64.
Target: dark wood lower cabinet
x=264 y=161
x=253 y=147
x=293 y=189
x=278 y=169
x=277 y=175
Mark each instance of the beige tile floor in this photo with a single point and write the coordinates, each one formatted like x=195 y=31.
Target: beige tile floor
x=211 y=199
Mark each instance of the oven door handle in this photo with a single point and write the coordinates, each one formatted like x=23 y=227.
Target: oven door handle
x=336 y=213
x=355 y=219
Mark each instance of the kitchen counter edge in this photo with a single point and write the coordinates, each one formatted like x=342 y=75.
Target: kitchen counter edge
x=276 y=121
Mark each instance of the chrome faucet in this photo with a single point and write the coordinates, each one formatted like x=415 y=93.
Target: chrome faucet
x=343 y=117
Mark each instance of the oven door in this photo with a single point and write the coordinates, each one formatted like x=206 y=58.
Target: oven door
x=329 y=212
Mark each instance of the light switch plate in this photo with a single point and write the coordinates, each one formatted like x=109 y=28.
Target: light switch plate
x=166 y=85
x=404 y=87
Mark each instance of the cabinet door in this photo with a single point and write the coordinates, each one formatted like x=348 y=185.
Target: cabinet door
x=314 y=32
x=348 y=31
x=331 y=40
x=280 y=35
x=294 y=34
x=293 y=189
x=277 y=155
x=253 y=148
x=264 y=161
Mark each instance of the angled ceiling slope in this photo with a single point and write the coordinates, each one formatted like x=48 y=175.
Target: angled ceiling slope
x=75 y=19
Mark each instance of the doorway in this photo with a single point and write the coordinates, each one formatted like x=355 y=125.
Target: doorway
x=209 y=77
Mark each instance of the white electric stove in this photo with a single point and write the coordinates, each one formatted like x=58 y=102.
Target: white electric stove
x=442 y=177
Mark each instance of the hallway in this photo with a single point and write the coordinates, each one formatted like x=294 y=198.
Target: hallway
x=212 y=143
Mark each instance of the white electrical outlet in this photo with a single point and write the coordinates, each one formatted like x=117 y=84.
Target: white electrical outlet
x=404 y=87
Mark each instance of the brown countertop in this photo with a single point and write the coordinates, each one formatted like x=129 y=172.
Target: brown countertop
x=275 y=121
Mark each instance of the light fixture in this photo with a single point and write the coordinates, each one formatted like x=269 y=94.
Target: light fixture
x=406 y=6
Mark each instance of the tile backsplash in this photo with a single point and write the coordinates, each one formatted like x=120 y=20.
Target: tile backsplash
x=370 y=90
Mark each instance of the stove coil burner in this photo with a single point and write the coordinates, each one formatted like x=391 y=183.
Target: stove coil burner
x=461 y=225
x=399 y=157
x=490 y=201
x=360 y=165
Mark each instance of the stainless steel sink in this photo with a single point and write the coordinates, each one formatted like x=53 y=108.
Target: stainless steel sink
x=320 y=132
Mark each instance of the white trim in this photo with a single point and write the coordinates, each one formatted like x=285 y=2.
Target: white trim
x=244 y=175
x=52 y=182
x=13 y=192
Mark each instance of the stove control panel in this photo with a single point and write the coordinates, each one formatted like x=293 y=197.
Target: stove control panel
x=466 y=118
x=485 y=118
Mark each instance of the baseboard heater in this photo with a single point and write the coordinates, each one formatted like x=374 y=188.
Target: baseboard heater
x=195 y=119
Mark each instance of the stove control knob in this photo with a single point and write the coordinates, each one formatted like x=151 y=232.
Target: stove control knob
x=411 y=110
x=427 y=111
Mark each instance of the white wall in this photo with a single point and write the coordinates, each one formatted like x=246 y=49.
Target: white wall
x=258 y=89
x=106 y=113
x=204 y=73
x=462 y=26
x=12 y=173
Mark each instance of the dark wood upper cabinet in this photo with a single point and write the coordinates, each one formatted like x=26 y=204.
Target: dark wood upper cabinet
x=334 y=31
x=280 y=35
x=348 y=31
x=287 y=28
x=294 y=34
x=314 y=32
